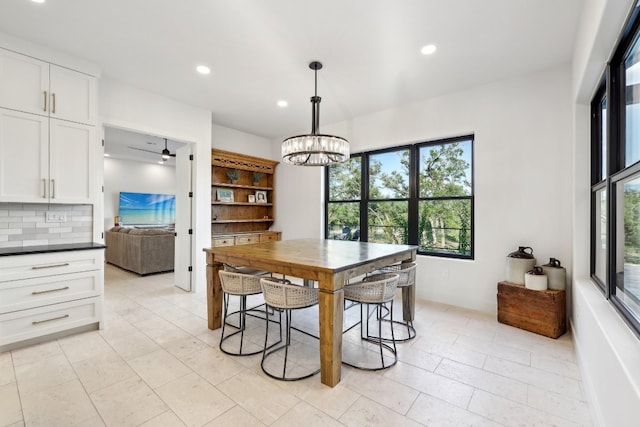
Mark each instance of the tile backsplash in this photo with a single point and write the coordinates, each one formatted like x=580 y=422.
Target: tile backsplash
x=25 y=224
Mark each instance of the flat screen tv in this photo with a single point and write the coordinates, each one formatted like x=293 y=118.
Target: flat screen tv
x=147 y=209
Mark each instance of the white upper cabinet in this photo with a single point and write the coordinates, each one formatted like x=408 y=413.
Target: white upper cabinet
x=73 y=95
x=34 y=86
x=24 y=83
x=24 y=157
x=49 y=151
x=72 y=153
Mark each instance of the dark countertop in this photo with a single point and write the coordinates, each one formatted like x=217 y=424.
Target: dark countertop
x=27 y=250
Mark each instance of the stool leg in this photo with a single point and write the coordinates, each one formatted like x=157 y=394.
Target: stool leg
x=393 y=337
x=243 y=318
x=288 y=342
x=379 y=338
x=225 y=298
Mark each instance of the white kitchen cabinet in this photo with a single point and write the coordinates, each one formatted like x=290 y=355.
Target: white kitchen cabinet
x=45 y=160
x=33 y=86
x=46 y=293
x=72 y=152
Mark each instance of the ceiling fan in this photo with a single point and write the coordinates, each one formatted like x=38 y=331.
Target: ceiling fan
x=166 y=154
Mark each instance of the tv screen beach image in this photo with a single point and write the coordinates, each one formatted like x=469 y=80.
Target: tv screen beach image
x=147 y=209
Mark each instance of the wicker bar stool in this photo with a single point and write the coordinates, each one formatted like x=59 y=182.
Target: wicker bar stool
x=379 y=293
x=407 y=278
x=285 y=297
x=241 y=285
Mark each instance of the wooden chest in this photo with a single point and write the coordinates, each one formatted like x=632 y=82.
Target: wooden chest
x=542 y=312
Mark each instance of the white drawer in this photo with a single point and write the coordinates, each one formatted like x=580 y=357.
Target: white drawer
x=27 y=324
x=18 y=267
x=29 y=293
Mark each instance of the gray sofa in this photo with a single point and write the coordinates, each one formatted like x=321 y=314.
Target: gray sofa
x=141 y=250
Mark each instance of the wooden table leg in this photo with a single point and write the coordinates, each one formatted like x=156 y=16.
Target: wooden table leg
x=214 y=293
x=408 y=303
x=330 y=319
x=409 y=297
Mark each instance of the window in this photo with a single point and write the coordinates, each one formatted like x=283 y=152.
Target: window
x=627 y=280
x=388 y=197
x=343 y=209
x=420 y=194
x=599 y=207
x=445 y=194
x=615 y=177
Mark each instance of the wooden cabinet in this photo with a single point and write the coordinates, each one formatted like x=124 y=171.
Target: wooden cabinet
x=218 y=240
x=48 y=144
x=42 y=294
x=241 y=210
x=542 y=312
x=33 y=86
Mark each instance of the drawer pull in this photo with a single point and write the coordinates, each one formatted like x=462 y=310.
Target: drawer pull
x=39 y=267
x=49 y=290
x=37 y=322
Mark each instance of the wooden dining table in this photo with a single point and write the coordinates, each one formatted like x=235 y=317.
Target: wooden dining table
x=331 y=263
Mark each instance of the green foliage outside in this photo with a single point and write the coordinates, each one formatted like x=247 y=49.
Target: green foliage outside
x=444 y=224
x=444 y=220
x=631 y=226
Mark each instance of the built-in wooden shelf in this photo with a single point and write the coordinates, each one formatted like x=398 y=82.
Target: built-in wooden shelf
x=240 y=221
x=240 y=204
x=250 y=187
x=242 y=216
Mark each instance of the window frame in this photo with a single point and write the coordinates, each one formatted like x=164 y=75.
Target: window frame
x=413 y=199
x=612 y=87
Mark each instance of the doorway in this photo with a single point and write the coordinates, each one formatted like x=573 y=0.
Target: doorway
x=134 y=163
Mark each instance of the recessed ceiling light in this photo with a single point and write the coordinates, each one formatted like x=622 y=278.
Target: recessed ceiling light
x=428 y=49
x=161 y=162
x=107 y=154
x=203 y=69
x=38 y=1
x=282 y=103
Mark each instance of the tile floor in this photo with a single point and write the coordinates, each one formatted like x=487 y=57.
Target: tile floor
x=156 y=364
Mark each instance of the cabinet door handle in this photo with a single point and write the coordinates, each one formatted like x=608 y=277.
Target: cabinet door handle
x=44 y=188
x=53 y=102
x=44 y=107
x=53 y=188
x=37 y=322
x=49 y=290
x=39 y=267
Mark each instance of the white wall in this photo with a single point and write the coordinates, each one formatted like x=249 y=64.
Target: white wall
x=134 y=109
x=522 y=177
x=224 y=138
x=136 y=177
x=607 y=350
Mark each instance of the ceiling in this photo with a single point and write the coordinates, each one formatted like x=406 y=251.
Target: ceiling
x=128 y=145
x=259 y=50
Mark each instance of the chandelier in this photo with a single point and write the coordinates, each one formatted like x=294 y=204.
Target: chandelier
x=315 y=149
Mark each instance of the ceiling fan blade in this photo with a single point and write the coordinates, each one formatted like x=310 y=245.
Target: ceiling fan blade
x=142 y=149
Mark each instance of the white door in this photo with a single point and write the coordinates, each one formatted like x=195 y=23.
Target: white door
x=24 y=157
x=73 y=95
x=24 y=83
x=184 y=224
x=72 y=149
